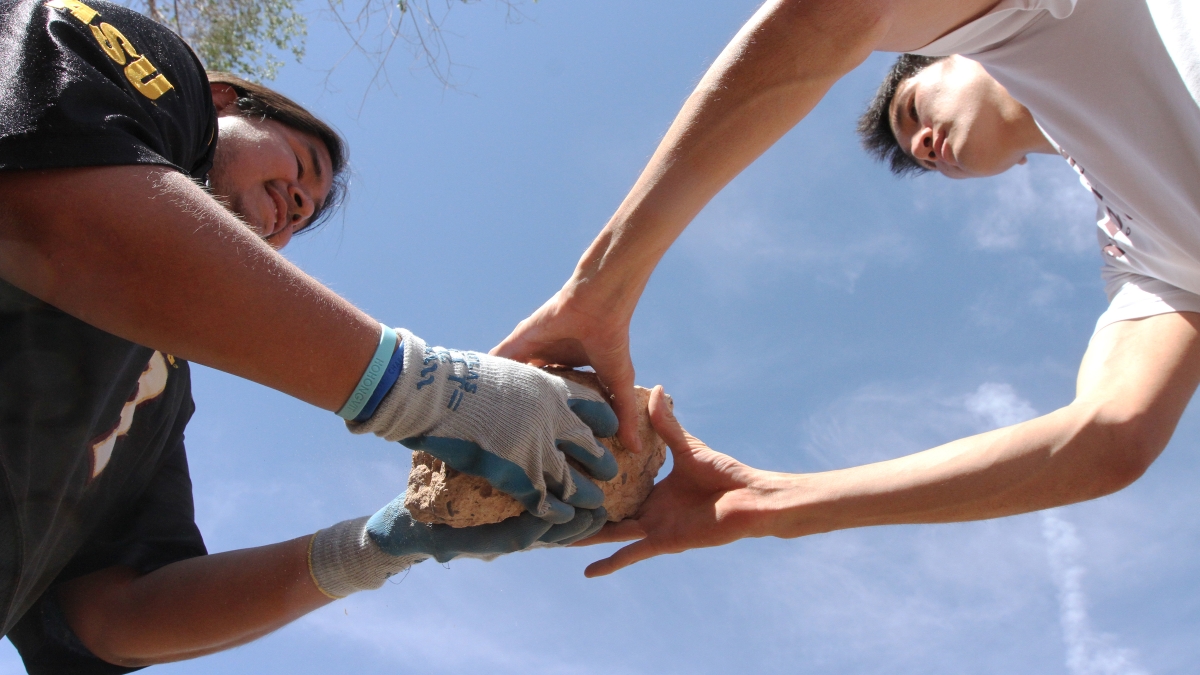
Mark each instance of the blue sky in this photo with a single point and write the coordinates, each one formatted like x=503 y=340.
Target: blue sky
x=818 y=314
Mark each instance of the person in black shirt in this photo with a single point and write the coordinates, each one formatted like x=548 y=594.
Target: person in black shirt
x=131 y=240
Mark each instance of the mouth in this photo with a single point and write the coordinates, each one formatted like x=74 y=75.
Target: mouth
x=944 y=151
x=272 y=226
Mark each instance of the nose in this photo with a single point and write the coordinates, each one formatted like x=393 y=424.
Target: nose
x=921 y=145
x=301 y=207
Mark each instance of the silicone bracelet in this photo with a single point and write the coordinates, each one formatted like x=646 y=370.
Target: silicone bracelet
x=372 y=375
x=385 y=383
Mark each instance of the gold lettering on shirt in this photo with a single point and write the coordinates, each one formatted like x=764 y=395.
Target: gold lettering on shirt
x=110 y=40
x=80 y=10
x=140 y=72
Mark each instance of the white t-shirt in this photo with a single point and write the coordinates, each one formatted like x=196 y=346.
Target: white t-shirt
x=1116 y=85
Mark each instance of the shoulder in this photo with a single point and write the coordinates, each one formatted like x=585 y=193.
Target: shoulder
x=93 y=83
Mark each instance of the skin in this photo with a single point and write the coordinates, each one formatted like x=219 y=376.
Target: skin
x=1134 y=382
x=770 y=76
x=273 y=178
x=954 y=118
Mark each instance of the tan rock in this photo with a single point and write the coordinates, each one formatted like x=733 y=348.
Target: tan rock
x=440 y=495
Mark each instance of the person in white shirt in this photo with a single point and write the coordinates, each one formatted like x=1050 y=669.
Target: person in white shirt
x=1115 y=83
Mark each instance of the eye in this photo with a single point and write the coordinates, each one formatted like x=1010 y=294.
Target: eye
x=299 y=167
x=912 y=109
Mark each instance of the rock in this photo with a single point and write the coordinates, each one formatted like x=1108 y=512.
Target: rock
x=438 y=494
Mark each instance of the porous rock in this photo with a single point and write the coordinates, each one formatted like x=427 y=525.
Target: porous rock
x=438 y=494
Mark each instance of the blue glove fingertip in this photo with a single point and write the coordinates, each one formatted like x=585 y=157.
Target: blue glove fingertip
x=598 y=415
x=557 y=511
x=603 y=467
x=578 y=525
x=599 y=518
x=587 y=494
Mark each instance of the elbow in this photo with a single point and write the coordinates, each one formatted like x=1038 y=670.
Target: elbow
x=1122 y=447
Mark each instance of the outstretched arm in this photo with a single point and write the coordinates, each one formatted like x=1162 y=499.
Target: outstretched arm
x=214 y=602
x=145 y=254
x=193 y=607
x=776 y=69
x=1134 y=383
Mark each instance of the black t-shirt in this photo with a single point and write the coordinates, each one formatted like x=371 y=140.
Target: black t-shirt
x=92 y=465
x=97 y=84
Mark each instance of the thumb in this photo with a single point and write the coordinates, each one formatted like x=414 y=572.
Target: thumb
x=514 y=346
x=662 y=418
x=617 y=376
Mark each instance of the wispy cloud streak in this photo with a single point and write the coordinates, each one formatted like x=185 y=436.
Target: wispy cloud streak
x=1088 y=653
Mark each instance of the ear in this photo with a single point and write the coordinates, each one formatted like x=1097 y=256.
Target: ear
x=224 y=98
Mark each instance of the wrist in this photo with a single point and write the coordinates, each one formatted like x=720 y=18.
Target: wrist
x=790 y=505
x=343 y=559
x=378 y=377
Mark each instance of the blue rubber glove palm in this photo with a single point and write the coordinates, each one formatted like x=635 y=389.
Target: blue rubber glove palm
x=361 y=554
x=507 y=422
x=396 y=533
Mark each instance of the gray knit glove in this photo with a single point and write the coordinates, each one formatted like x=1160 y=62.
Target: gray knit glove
x=360 y=554
x=504 y=421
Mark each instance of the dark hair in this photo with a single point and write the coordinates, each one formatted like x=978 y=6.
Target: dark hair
x=875 y=125
x=255 y=100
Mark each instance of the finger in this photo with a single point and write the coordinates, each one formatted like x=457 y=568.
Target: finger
x=599 y=518
x=662 y=418
x=603 y=467
x=635 y=552
x=486 y=541
x=597 y=414
x=514 y=346
x=625 y=530
x=556 y=511
x=581 y=523
x=617 y=376
x=587 y=495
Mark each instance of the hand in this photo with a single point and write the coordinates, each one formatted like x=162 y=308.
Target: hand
x=564 y=332
x=396 y=533
x=360 y=554
x=709 y=499
x=504 y=421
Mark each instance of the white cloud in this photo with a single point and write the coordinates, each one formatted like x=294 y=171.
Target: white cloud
x=1088 y=653
x=998 y=403
x=735 y=243
x=1039 y=205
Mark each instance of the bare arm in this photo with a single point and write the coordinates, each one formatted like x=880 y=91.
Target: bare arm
x=143 y=253
x=1134 y=384
x=776 y=69
x=192 y=607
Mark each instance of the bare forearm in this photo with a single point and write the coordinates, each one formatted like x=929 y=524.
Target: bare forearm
x=770 y=76
x=143 y=253
x=1047 y=462
x=193 y=607
x=764 y=82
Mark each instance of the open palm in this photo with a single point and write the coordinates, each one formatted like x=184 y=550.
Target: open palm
x=708 y=499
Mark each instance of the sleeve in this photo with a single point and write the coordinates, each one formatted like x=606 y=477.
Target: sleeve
x=157 y=530
x=99 y=85
x=1134 y=296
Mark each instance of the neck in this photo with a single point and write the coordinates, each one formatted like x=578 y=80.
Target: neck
x=1027 y=137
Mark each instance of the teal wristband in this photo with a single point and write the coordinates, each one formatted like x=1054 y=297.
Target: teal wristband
x=374 y=373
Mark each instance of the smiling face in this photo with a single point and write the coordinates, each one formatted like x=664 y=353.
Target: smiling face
x=272 y=176
x=952 y=117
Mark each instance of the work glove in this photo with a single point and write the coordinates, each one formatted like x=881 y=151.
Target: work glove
x=504 y=421
x=360 y=554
